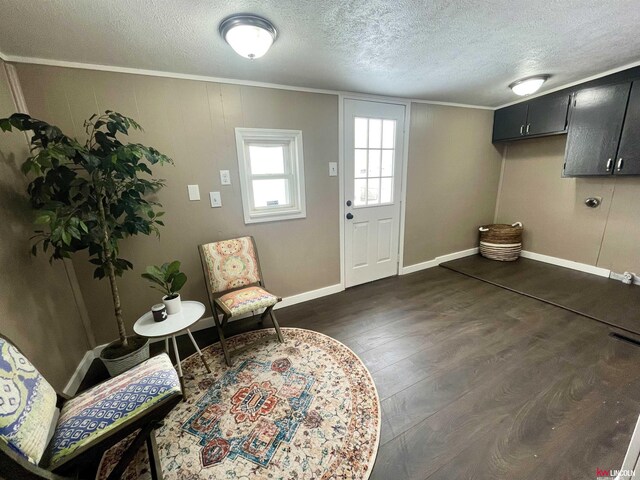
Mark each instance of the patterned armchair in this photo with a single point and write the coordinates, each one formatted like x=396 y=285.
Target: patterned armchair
x=47 y=435
x=234 y=284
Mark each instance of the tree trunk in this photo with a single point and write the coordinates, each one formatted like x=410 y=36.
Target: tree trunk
x=116 y=304
x=115 y=295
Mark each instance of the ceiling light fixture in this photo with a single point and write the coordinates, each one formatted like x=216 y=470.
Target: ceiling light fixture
x=529 y=85
x=249 y=35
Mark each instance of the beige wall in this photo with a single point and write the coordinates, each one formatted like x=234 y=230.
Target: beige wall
x=452 y=180
x=193 y=122
x=556 y=221
x=37 y=308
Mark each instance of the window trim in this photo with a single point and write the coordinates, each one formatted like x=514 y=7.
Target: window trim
x=291 y=140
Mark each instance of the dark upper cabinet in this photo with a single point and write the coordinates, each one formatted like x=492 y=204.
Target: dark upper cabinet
x=509 y=122
x=628 y=158
x=545 y=115
x=594 y=130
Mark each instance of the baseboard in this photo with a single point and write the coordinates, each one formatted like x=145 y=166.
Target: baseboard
x=438 y=260
x=81 y=370
x=207 y=322
x=620 y=277
x=561 y=262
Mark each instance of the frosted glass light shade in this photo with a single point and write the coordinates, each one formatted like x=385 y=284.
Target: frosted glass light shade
x=250 y=36
x=529 y=85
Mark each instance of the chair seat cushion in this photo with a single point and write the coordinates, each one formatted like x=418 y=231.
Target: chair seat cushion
x=111 y=404
x=247 y=300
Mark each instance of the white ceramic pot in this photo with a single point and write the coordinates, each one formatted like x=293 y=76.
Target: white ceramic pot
x=173 y=305
x=118 y=365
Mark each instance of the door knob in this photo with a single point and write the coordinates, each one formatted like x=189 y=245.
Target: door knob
x=348 y=203
x=349 y=216
x=593 y=202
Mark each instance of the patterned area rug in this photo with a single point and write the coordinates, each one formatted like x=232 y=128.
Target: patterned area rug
x=304 y=409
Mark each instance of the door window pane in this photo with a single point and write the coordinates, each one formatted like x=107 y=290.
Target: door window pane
x=385 y=190
x=375 y=133
x=360 y=132
x=373 y=189
x=388 y=133
x=266 y=159
x=360 y=164
x=360 y=191
x=387 y=163
x=270 y=193
x=374 y=163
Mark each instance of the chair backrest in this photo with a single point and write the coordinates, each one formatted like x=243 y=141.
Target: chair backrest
x=230 y=264
x=27 y=404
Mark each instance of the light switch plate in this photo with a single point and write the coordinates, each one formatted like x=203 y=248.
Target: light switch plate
x=194 y=192
x=225 y=177
x=333 y=169
x=216 y=200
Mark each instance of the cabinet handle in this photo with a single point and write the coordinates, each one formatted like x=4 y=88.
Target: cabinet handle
x=609 y=164
x=521 y=129
x=620 y=163
x=528 y=125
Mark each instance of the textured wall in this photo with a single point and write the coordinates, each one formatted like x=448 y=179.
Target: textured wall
x=556 y=221
x=193 y=122
x=452 y=181
x=37 y=308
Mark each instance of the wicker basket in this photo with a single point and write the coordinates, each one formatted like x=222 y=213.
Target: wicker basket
x=501 y=242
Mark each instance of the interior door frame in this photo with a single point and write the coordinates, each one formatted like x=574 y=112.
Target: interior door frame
x=341 y=173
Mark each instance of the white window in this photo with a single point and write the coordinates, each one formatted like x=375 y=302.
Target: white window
x=271 y=174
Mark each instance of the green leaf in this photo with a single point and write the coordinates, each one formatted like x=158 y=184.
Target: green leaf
x=66 y=237
x=178 y=282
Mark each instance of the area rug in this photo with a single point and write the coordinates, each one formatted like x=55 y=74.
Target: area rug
x=305 y=409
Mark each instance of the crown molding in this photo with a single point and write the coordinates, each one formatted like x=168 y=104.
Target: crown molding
x=231 y=81
x=572 y=84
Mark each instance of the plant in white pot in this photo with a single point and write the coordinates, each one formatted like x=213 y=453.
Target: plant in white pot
x=89 y=196
x=168 y=279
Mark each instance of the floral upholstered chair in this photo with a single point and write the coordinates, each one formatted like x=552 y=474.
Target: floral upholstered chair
x=47 y=435
x=234 y=284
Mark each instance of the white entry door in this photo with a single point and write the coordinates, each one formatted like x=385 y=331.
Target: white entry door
x=373 y=142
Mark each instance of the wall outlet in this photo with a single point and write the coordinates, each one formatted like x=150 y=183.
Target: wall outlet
x=216 y=200
x=194 y=192
x=225 y=177
x=333 y=169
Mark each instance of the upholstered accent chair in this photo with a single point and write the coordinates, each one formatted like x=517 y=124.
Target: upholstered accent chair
x=234 y=284
x=44 y=434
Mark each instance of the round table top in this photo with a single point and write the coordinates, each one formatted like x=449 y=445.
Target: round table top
x=189 y=314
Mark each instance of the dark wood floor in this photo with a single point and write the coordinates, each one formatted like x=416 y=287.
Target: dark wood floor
x=603 y=299
x=478 y=382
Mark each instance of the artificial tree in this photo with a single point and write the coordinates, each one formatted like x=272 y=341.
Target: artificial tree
x=91 y=196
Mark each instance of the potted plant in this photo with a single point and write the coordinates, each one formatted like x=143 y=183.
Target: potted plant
x=168 y=279
x=90 y=196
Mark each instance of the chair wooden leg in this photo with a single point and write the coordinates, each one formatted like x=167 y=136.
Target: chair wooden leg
x=154 y=457
x=276 y=325
x=227 y=357
x=130 y=452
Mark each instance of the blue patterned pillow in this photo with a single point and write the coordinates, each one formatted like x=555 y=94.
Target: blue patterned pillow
x=27 y=404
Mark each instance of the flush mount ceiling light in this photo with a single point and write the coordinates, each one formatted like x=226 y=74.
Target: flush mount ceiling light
x=529 y=85
x=249 y=35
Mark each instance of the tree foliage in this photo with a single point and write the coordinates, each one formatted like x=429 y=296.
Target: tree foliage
x=90 y=196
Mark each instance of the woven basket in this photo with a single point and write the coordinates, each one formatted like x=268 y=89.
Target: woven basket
x=501 y=242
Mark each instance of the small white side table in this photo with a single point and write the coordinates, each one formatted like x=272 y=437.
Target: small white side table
x=189 y=314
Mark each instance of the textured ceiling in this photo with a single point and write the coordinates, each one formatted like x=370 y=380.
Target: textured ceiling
x=455 y=51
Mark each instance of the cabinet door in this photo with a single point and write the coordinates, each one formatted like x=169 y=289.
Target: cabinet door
x=628 y=160
x=547 y=114
x=509 y=122
x=594 y=130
